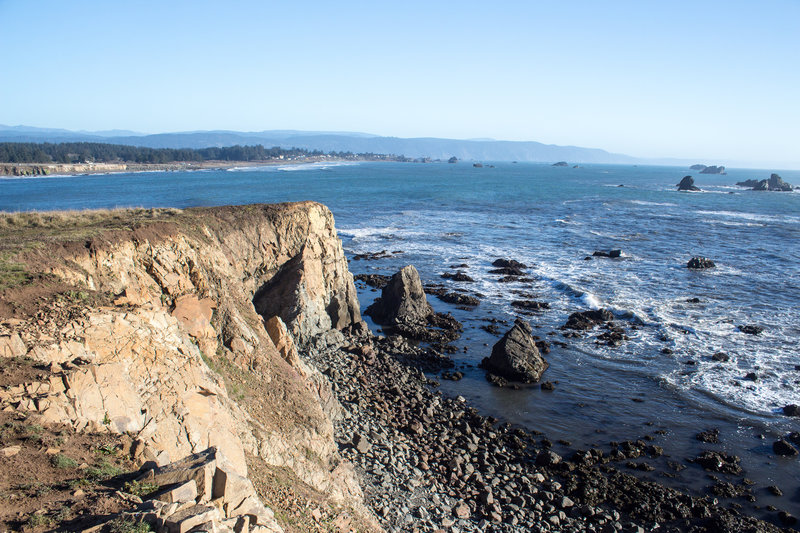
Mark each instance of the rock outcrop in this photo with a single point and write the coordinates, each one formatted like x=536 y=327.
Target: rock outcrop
x=515 y=357
x=687 y=184
x=774 y=183
x=186 y=321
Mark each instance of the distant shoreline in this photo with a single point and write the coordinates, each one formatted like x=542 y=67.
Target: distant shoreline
x=30 y=170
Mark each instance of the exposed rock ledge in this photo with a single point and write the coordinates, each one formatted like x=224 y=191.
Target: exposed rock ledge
x=186 y=295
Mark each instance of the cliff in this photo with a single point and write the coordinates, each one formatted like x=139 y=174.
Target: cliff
x=178 y=329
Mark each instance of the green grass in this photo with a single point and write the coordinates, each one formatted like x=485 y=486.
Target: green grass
x=62 y=461
x=140 y=488
x=104 y=470
x=39 y=520
x=12 y=274
x=126 y=525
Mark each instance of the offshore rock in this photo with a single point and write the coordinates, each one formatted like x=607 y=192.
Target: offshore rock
x=713 y=169
x=687 y=184
x=515 y=356
x=700 y=263
x=585 y=320
x=774 y=183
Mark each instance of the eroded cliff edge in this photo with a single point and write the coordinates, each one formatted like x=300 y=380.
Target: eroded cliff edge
x=178 y=328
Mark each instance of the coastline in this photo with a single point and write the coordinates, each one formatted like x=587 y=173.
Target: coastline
x=29 y=170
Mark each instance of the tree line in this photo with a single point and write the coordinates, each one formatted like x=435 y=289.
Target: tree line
x=85 y=152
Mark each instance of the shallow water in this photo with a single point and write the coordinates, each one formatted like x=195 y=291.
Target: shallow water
x=551 y=218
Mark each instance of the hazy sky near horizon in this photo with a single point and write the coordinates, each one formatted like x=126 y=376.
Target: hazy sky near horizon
x=716 y=81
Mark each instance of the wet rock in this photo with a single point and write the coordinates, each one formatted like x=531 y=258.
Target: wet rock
x=530 y=305
x=710 y=436
x=611 y=253
x=507 y=271
x=774 y=183
x=515 y=356
x=751 y=329
x=775 y=490
x=700 y=263
x=457 y=276
x=548 y=386
x=719 y=462
x=458 y=299
x=378 y=281
x=787 y=519
x=782 y=447
x=792 y=410
x=508 y=263
x=720 y=357
x=586 y=320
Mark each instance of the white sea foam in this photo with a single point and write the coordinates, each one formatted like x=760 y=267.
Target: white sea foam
x=750 y=216
x=644 y=202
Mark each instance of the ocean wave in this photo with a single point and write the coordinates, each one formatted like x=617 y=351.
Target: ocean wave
x=756 y=217
x=644 y=202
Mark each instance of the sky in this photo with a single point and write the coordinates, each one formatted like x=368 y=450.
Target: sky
x=714 y=81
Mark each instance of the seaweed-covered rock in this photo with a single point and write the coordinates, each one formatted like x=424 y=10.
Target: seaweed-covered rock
x=700 y=263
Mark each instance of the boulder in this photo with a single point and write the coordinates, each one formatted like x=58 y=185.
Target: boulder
x=700 y=263
x=402 y=300
x=508 y=263
x=750 y=329
x=687 y=184
x=516 y=356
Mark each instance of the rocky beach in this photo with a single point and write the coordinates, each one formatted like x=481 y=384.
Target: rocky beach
x=208 y=369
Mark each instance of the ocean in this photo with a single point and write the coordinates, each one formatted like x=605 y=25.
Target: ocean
x=439 y=215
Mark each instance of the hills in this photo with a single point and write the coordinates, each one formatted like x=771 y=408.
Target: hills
x=435 y=148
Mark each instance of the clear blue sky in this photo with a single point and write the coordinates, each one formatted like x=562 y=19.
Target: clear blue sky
x=717 y=81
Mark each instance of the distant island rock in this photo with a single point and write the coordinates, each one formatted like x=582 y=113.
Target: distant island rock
x=453 y=159
x=477 y=165
x=561 y=164
x=698 y=167
x=774 y=183
x=687 y=184
x=713 y=170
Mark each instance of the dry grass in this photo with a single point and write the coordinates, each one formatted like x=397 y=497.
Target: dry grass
x=36 y=230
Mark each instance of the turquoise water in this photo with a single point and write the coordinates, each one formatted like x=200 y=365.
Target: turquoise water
x=551 y=218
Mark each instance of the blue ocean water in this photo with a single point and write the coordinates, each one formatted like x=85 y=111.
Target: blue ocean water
x=551 y=218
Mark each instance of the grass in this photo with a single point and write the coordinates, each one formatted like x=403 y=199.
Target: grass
x=126 y=525
x=140 y=488
x=12 y=274
x=39 y=520
x=62 y=461
x=104 y=470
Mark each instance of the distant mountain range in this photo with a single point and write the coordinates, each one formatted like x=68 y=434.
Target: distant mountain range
x=471 y=150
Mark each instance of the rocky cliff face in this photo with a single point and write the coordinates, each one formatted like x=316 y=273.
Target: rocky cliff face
x=187 y=298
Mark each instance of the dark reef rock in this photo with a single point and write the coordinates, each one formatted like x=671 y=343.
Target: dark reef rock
x=687 y=184
x=782 y=447
x=507 y=271
x=530 y=305
x=719 y=462
x=710 y=436
x=750 y=329
x=373 y=280
x=585 y=320
x=508 y=263
x=561 y=164
x=458 y=299
x=611 y=253
x=714 y=170
x=515 y=357
x=792 y=410
x=700 y=263
x=457 y=276
x=721 y=357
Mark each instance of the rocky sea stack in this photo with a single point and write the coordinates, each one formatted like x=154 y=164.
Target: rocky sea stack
x=515 y=357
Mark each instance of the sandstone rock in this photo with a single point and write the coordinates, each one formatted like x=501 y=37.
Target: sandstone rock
x=402 y=300
x=195 y=314
x=191 y=517
x=187 y=492
x=198 y=468
x=12 y=346
x=282 y=340
x=516 y=356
